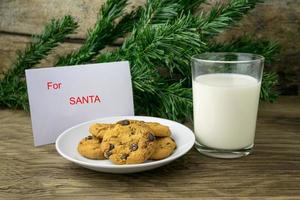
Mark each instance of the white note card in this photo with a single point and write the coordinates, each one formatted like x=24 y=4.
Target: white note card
x=61 y=97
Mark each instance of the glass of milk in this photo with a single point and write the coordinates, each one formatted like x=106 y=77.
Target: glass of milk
x=226 y=88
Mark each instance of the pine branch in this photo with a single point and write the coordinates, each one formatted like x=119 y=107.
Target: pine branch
x=163 y=36
x=144 y=79
x=269 y=81
x=99 y=36
x=13 y=94
x=190 y=6
x=126 y=24
x=223 y=16
x=160 y=44
x=41 y=45
x=169 y=45
x=12 y=86
x=176 y=102
x=171 y=101
x=162 y=11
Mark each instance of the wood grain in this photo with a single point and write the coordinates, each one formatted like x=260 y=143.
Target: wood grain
x=30 y=16
x=271 y=172
x=11 y=44
x=20 y=19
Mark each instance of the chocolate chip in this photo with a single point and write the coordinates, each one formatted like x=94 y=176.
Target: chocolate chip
x=124 y=156
x=89 y=137
x=107 y=154
x=133 y=147
x=124 y=122
x=151 y=137
x=111 y=147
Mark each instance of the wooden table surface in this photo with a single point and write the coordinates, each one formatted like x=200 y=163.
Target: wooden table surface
x=271 y=172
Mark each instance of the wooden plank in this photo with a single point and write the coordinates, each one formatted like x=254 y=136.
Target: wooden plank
x=9 y=45
x=271 y=172
x=30 y=16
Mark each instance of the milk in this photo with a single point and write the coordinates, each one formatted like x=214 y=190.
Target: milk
x=225 y=110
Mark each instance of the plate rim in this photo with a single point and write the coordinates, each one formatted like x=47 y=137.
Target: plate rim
x=140 y=165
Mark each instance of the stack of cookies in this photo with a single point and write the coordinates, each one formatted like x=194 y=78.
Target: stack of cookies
x=127 y=142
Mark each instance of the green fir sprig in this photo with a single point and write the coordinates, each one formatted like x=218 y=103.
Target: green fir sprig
x=12 y=86
x=54 y=33
x=99 y=36
x=267 y=92
x=222 y=16
x=160 y=45
x=160 y=39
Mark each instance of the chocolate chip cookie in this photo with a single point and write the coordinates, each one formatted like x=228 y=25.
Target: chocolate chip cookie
x=157 y=129
x=164 y=148
x=128 y=143
x=89 y=147
x=98 y=130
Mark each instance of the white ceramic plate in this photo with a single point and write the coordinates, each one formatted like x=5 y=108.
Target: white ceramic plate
x=66 y=145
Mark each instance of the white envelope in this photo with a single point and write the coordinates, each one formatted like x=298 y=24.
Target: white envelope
x=61 y=97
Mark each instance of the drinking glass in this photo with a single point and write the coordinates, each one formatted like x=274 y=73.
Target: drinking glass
x=226 y=88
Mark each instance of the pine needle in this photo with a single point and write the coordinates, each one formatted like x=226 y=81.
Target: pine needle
x=97 y=37
x=223 y=16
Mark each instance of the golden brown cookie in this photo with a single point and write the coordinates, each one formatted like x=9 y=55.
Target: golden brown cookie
x=158 y=129
x=164 y=148
x=90 y=147
x=128 y=143
x=98 y=130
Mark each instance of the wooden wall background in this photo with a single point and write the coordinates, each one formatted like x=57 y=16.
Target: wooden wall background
x=275 y=19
